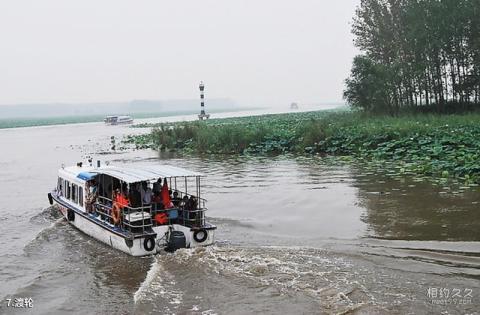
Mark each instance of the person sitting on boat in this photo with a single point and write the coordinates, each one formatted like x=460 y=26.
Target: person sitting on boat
x=176 y=200
x=184 y=203
x=192 y=203
x=120 y=202
x=191 y=206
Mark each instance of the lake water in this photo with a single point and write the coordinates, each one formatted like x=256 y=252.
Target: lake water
x=295 y=235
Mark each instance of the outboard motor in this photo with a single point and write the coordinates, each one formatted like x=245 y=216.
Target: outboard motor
x=176 y=240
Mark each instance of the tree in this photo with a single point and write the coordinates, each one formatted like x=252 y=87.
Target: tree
x=422 y=52
x=367 y=87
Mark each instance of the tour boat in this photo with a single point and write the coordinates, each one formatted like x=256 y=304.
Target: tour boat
x=118 y=120
x=138 y=209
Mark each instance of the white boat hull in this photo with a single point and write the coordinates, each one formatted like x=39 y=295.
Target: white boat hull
x=100 y=231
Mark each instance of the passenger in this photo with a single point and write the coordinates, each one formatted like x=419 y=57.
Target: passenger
x=142 y=188
x=183 y=211
x=120 y=202
x=166 y=200
x=157 y=201
x=157 y=186
x=184 y=203
x=91 y=197
x=115 y=206
x=192 y=215
x=148 y=195
x=93 y=187
x=193 y=203
x=88 y=205
x=176 y=200
x=123 y=199
x=135 y=197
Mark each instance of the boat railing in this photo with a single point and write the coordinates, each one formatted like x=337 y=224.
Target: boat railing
x=146 y=222
x=104 y=208
x=201 y=202
x=193 y=218
x=182 y=216
x=187 y=217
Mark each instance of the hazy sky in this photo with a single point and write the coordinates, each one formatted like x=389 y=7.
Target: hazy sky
x=257 y=52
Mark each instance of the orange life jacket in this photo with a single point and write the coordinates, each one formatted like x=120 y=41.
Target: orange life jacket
x=161 y=218
x=121 y=200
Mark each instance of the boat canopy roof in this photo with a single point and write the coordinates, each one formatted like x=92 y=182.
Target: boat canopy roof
x=86 y=175
x=137 y=173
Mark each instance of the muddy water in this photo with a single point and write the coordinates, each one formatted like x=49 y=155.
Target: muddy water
x=295 y=235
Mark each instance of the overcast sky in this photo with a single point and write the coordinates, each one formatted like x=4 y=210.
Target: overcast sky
x=257 y=52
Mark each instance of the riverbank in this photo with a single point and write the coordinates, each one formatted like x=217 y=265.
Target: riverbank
x=20 y=122
x=441 y=146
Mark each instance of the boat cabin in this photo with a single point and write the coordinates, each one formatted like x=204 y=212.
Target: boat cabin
x=135 y=202
x=118 y=120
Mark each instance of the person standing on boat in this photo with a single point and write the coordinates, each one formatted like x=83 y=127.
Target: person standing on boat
x=91 y=189
x=121 y=201
x=135 y=197
x=166 y=195
x=142 y=187
x=157 y=186
x=147 y=195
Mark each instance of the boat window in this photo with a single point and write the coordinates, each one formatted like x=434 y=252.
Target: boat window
x=67 y=187
x=74 y=193
x=60 y=186
x=80 y=196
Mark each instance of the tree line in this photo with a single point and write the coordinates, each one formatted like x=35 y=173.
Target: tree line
x=416 y=54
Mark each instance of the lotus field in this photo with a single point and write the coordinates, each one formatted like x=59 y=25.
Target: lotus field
x=443 y=146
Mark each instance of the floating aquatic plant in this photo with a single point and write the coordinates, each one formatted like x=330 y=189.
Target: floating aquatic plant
x=434 y=145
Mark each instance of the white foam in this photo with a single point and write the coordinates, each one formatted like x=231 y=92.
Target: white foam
x=45 y=230
x=140 y=293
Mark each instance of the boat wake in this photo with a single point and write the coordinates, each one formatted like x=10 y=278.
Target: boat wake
x=140 y=293
x=218 y=279
x=48 y=214
x=43 y=235
x=159 y=285
x=271 y=277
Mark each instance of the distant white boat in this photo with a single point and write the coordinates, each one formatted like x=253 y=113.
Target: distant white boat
x=118 y=120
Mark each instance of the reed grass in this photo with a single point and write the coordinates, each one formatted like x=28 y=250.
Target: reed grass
x=441 y=145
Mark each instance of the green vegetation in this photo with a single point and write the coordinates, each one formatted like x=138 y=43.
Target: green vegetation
x=442 y=146
x=253 y=134
x=48 y=121
x=418 y=55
